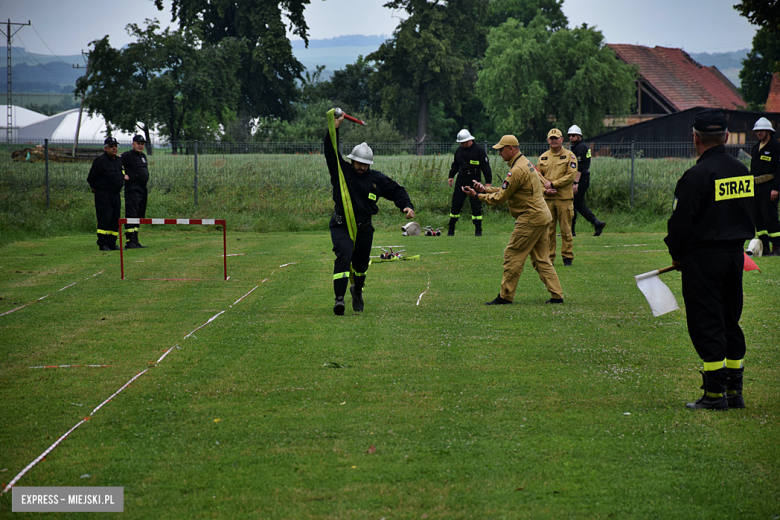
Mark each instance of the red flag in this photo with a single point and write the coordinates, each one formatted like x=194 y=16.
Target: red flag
x=750 y=265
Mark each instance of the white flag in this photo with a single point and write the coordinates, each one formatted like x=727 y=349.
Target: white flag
x=658 y=295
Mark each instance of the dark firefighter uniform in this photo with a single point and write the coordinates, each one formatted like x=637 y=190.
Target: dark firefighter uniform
x=523 y=192
x=710 y=222
x=560 y=169
x=106 y=180
x=469 y=165
x=765 y=167
x=136 y=168
x=582 y=153
x=364 y=191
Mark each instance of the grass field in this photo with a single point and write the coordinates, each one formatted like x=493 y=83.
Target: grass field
x=426 y=405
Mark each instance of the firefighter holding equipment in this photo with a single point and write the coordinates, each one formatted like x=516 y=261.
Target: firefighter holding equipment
x=470 y=163
x=765 y=168
x=710 y=222
x=558 y=168
x=522 y=190
x=106 y=180
x=365 y=185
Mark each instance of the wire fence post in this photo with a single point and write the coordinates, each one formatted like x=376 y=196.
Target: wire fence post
x=46 y=161
x=196 y=174
x=632 y=174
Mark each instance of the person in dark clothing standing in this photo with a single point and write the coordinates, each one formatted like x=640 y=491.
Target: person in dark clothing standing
x=765 y=168
x=582 y=181
x=136 y=179
x=364 y=186
x=106 y=180
x=470 y=163
x=711 y=220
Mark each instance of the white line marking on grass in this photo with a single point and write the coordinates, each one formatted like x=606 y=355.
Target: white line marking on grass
x=629 y=245
x=23 y=306
x=247 y=294
x=439 y=253
x=139 y=374
x=426 y=290
x=41 y=456
x=166 y=353
x=285 y=265
x=71 y=285
x=210 y=320
x=71 y=366
x=94 y=275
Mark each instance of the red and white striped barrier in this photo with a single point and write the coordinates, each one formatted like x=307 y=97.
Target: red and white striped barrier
x=174 y=221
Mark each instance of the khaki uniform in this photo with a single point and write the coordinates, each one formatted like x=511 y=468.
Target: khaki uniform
x=522 y=190
x=561 y=170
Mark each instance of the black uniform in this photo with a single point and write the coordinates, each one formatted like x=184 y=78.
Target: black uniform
x=582 y=152
x=364 y=190
x=711 y=220
x=106 y=180
x=136 y=169
x=765 y=167
x=469 y=165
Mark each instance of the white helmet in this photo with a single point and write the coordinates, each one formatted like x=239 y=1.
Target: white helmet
x=755 y=248
x=574 y=129
x=412 y=229
x=763 y=124
x=464 y=135
x=362 y=153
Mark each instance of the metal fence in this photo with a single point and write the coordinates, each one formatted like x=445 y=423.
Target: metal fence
x=218 y=169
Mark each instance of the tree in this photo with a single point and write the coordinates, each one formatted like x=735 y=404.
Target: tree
x=524 y=11
x=430 y=56
x=757 y=68
x=765 y=13
x=533 y=79
x=268 y=68
x=169 y=80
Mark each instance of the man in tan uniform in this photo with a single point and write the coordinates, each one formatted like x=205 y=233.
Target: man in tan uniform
x=558 y=168
x=522 y=190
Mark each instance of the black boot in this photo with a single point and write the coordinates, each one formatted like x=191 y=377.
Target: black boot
x=132 y=241
x=499 y=301
x=338 y=307
x=764 y=245
x=477 y=228
x=357 y=293
x=714 y=397
x=775 y=250
x=734 y=388
x=451 y=229
x=599 y=225
x=137 y=243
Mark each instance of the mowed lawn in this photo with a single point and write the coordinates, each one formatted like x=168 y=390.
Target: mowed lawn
x=427 y=405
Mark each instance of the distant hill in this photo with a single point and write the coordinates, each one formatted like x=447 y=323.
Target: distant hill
x=729 y=63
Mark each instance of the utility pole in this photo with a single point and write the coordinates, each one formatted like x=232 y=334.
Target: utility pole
x=81 y=107
x=8 y=35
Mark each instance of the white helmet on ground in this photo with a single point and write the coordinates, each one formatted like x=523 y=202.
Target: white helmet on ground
x=464 y=135
x=755 y=248
x=574 y=129
x=362 y=153
x=763 y=124
x=412 y=229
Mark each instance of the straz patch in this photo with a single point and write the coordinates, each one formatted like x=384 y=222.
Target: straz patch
x=766 y=157
x=475 y=163
x=734 y=188
x=372 y=196
x=504 y=185
x=509 y=174
x=574 y=165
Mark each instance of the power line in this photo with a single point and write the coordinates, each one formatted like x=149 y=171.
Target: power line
x=51 y=51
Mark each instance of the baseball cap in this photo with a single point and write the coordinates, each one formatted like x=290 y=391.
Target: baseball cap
x=554 y=133
x=139 y=139
x=110 y=141
x=710 y=120
x=507 y=140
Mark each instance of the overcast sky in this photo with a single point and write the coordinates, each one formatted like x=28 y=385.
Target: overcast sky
x=65 y=27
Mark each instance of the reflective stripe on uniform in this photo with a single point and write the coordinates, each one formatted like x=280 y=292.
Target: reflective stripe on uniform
x=478 y=217
x=360 y=274
x=762 y=232
x=735 y=363
x=454 y=216
x=714 y=395
x=714 y=365
x=339 y=276
x=132 y=230
x=774 y=235
x=107 y=232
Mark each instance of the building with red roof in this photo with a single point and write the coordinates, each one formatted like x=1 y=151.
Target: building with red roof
x=773 y=100
x=670 y=81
